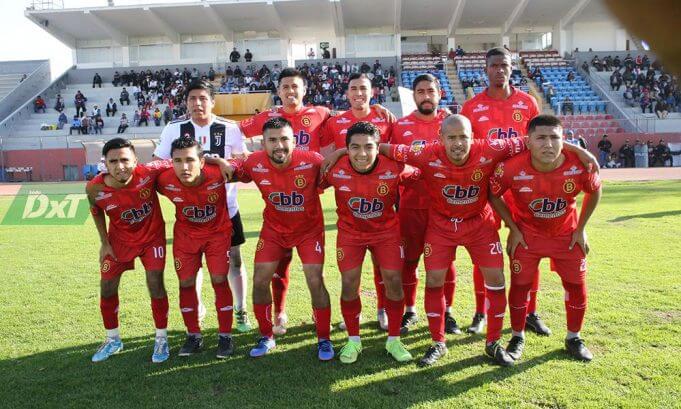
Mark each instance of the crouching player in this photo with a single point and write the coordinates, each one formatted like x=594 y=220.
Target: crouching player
x=366 y=188
x=202 y=227
x=545 y=183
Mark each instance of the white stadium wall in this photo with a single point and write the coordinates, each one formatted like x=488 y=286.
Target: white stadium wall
x=599 y=36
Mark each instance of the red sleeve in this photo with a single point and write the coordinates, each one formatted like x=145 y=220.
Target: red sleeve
x=465 y=110
x=252 y=126
x=415 y=155
x=499 y=182
x=323 y=182
x=503 y=149
x=387 y=138
x=156 y=167
x=591 y=182
x=240 y=172
x=326 y=134
x=409 y=175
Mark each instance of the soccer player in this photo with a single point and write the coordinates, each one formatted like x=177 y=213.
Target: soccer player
x=221 y=138
x=127 y=195
x=288 y=180
x=202 y=227
x=543 y=222
x=335 y=129
x=501 y=111
x=366 y=189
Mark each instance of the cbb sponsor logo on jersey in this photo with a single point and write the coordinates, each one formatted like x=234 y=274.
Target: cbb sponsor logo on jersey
x=135 y=215
x=302 y=139
x=502 y=133
x=546 y=208
x=366 y=209
x=284 y=202
x=459 y=195
x=198 y=214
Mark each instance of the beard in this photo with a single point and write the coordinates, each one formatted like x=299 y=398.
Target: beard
x=279 y=159
x=426 y=111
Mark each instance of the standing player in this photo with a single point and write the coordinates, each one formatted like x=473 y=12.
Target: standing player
x=545 y=183
x=366 y=188
x=202 y=227
x=288 y=180
x=220 y=138
x=336 y=128
x=127 y=194
x=501 y=111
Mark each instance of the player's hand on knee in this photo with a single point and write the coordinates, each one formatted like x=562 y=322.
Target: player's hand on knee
x=579 y=237
x=515 y=238
x=106 y=250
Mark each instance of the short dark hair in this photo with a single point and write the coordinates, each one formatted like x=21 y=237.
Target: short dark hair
x=358 y=75
x=276 y=123
x=543 y=120
x=117 y=143
x=362 y=128
x=291 y=72
x=496 y=51
x=185 y=142
x=425 y=77
x=200 y=84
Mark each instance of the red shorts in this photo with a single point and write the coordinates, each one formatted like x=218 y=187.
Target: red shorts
x=387 y=251
x=477 y=234
x=413 y=224
x=152 y=255
x=188 y=251
x=569 y=264
x=273 y=246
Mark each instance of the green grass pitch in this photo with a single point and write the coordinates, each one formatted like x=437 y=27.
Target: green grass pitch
x=50 y=326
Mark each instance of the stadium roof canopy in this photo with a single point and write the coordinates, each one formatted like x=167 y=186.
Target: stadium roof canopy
x=298 y=19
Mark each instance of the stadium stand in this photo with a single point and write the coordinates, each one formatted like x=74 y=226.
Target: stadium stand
x=416 y=64
x=471 y=70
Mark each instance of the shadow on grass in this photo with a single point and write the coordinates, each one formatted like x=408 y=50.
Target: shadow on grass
x=653 y=215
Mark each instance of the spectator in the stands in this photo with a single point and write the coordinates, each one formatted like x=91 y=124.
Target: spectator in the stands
x=568 y=106
x=311 y=54
x=661 y=109
x=234 y=56
x=459 y=51
x=641 y=154
x=570 y=138
x=39 y=104
x=95 y=111
x=550 y=93
x=116 y=79
x=59 y=103
x=604 y=148
x=97 y=80
x=125 y=97
x=582 y=141
x=571 y=76
x=85 y=124
x=144 y=117
x=98 y=124
x=111 y=107
x=211 y=74
x=617 y=63
x=79 y=100
x=157 y=116
x=167 y=114
x=248 y=56
x=662 y=154
x=651 y=153
x=626 y=154
x=62 y=120
x=452 y=54
x=75 y=125
x=612 y=162
x=326 y=54
x=646 y=103
x=136 y=118
x=585 y=67
x=596 y=63
x=615 y=80
x=23 y=77
x=628 y=77
x=123 y=124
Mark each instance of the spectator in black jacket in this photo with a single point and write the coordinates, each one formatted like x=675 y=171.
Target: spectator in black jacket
x=125 y=97
x=626 y=154
x=604 y=147
x=234 y=55
x=97 y=80
x=79 y=101
x=248 y=56
x=116 y=79
x=111 y=107
x=662 y=154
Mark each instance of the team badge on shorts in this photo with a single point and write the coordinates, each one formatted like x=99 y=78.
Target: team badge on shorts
x=516 y=267
x=477 y=175
x=340 y=255
x=306 y=121
x=178 y=264
x=427 y=250
x=300 y=181
x=517 y=116
x=145 y=193
x=260 y=245
x=382 y=189
x=213 y=197
x=106 y=266
x=569 y=186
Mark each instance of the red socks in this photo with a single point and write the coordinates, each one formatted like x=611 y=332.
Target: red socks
x=189 y=306
x=479 y=287
x=496 y=308
x=450 y=286
x=380 y=289
x=394 y=309
x=224 y=307
x=109 y=309
x=575 y=305
x=322 y=319
x=435 y=310
x=409 y=282
x=351 y=311
x=517 y=302
x=532 y=300
x=280 y=283
x=263 y=313
x=159 y=310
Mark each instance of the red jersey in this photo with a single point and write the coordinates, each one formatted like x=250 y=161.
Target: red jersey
x=411 y=130
x=545 y=202
x=200 y=211
x=365 y=203
x=499 y=119
x=336 y=128
x=307 y=125
x=292 y=204
x=458 y=191
x=134 y=212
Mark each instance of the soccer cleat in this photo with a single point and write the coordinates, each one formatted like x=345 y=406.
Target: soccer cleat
x=477 y=325
x=264 y=345
x=350 y=352
x=397 y=350
x=225 y=347
x=161 y=350
x=536 y=325
x=382 y=319
x=280 y=324
x=325 y=350
x=577 y=349
x=109 y=347
x=451 y=327
x=434 y=352
x=498 y=354
x=192 y=344
x=515 y=347
x=409 y=319
x=243 y=324
x=202 y=312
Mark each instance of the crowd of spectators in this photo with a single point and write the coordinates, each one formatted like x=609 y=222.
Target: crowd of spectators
x=250 y=79
x=639 y=155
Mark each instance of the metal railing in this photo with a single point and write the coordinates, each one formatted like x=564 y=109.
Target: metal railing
x=35 y=80
x=45 y=4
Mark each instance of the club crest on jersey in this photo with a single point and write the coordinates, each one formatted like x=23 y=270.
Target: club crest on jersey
x=458 y=195
x=306 y=121
x=300 y=181
x=516 y=267
x=145 y=193
x=569 y=186
x=106 y=266
x=178 y=264
x=546 y=208
x=339 y=254
x=477 y=175
x=135 y=215
x=285 y=202
x=382 y=189
x=427 y=250
x=260 y=245
x=500 y=133
x=213 y=197
x=517 y=116
x=218 y=138
x=366 y=209
x=198 y=214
